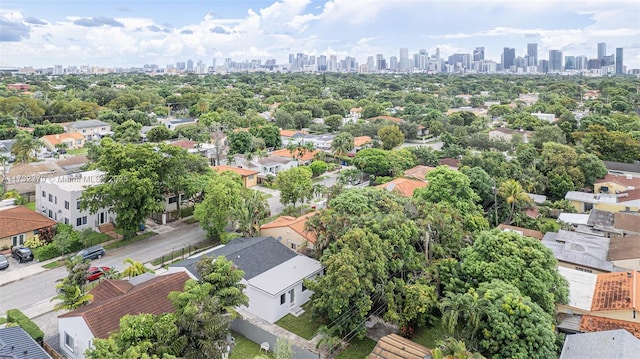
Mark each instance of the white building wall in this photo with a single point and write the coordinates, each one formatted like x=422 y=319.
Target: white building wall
x=76 y=328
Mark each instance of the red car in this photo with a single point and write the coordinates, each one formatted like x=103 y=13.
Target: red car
x=95 y=273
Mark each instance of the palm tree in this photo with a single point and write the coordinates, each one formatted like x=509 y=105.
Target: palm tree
x=22 y=110
x=25 y=147
x=342 y=144
x=451 y=348
x=327 y=343
x=135 y=268
x=70 y=296
x=512 y=192
x=250 y=212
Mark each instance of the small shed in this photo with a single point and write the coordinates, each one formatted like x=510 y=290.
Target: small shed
x=393 y=346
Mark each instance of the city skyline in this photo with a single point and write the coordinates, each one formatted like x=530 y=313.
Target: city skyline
x=112 y=34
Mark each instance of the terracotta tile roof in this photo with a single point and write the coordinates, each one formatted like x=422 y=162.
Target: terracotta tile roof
x=186 y=144
x=523 y=231
x=627 y=222
x=361 y=140
x=616 y=291
x=590 y=323
x=20 y=219
x=59 y=138
x=630 y=195
x=393 y=346
x=356 y=109
x=532 y=212
x=73 y=160
x=621 y=180
x=419 y=172
x=296 y=224
x=110 y=288
x=621 y=248
x=241 y=171
x=403 y=186
x=387 y=118
x=454 y=163
x=290 y=133
x=307 y=156
x=103 y=317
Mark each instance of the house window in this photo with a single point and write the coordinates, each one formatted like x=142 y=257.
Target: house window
x=283 y=299
x=55 y=199
x=68 y=341
x=293 y=246
x=44 y=194
x=50 y=214
x=18 y=240
x=584 y=270
x=304 y=287
x=66 y=220
x=173 y=199
x=78 y=205
x=251 y=177
x=81 y=221
x=66 y=204
x=50 y=197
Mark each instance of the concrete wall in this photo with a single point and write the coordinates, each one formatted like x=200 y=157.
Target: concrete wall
x=55 y=209
x=286 y=236
x=259 y=335
x=81 y=334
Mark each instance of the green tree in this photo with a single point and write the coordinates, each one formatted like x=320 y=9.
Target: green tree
x=511 y=191
x=251 y=211
x=342 y=144
x=333 y=121
x=373 y=161
x=77 y=268
x=592 y=167
x=295 y=185
x=225 y=279
x=69 y=296
x=449 y=186
x=135 y=268
x=25 y=147
x=451 y=348
x=159 y=134
x=222 y=196
x=127 y=132
x=318 y=167
x=240 y=142
x=391 y=136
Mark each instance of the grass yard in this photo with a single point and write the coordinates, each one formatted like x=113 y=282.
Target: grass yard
x=31 y=206
x=304 y=325
x=357 y=349
x=134 y=239
x=56 y=264
x=428 y=336
x=3 y=320
x=245 y=348
x=78 y=151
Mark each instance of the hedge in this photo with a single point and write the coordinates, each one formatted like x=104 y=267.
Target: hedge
x=16 y=316
x=46 y=252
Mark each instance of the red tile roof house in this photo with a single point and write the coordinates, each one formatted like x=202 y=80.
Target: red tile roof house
x=403 y=186
x=112 y=300
x=19 y=223
x=290 y=231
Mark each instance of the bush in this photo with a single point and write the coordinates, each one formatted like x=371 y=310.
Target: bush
x=34 y=242
x=46 y=252
x=318 y=167
x=16 y=316
x=187 y=211
x=382 y=179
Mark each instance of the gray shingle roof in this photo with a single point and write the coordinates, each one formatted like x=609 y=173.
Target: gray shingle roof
x=611 y=344
x=88 y=124
x=15 y=343
x=253 y=255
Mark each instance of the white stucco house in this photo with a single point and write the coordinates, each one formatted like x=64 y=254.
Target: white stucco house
x=273 y=274
x=59 y=199
x=112 y=300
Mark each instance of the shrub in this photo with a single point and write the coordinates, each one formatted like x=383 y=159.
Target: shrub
x=46 y=252
x=318 y=167
x=34 y=242
x=16 y=316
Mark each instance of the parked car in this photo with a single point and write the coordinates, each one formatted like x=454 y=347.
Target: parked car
x=22 y=254
x=95 y=273
x=93 y=252
x=4 y=262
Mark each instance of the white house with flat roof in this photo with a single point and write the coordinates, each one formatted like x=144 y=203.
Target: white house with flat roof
x=90 y=129
x=59 y=199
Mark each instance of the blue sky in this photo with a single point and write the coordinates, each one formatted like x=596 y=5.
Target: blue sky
x=42 y=33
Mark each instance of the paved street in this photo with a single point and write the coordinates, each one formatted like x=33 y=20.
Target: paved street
x=36 y=290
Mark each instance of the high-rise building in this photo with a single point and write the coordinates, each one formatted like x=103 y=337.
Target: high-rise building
x=619 y=64
x=508 y=57
x=371 y=63
x=532 y=54
x=543 y=66
x=190 y=65
x=555 y=61
x=393 y=63
x=478 y=54
x=381 y=63
x=570 y=63
x=602 y=50
x=404 y=59
x=581 y=62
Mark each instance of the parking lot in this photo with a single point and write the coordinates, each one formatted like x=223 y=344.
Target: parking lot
x=14 y=265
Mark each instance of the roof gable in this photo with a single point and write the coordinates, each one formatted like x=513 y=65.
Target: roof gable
x=103 y=316
x=403 y=186
x=296 y=224
x=419 y=172
x=20 y=219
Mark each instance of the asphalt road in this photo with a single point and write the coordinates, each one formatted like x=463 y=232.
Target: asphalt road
x=35 y=289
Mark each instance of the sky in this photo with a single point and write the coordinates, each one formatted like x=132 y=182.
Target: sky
x=114 y=33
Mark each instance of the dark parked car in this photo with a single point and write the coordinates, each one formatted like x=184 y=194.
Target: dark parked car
x=95 y=273
x=91 y=252
x=4 y=262
x=22 y=254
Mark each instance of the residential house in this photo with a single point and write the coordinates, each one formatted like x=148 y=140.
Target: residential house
x=521 y=231
x=616 y=183
x=397 y=347
x=19 y=224
x=355 y=114
x=590 y=324
x=59 y=199
x=273 y=274
x=301 y=154
x=628 y=201
x=174 y=123
x=5 y=150
x=72 y=141
x=579 y=251
x=547 y=117
x=249 y=177
x=619 y=344
x=361 y=142
x=418 y=172
x=574 y=219
x=288 y=135
x=537 y=198
x=320 y=142
x=15 y=343
x=90 y=129
x=291 y=232
x=506 y=134
x=624 y=252
x=422 y=130
x=403 y=186
x=271 y=165
x=452 y=163
x=18 y=87
x=623 y=168
x=112 y=300
x=613 y=224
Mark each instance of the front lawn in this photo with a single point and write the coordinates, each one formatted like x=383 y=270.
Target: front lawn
x=244 y=348
x=428 y=336
x=357 y=349
x=304 y=325
x=78 y=151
